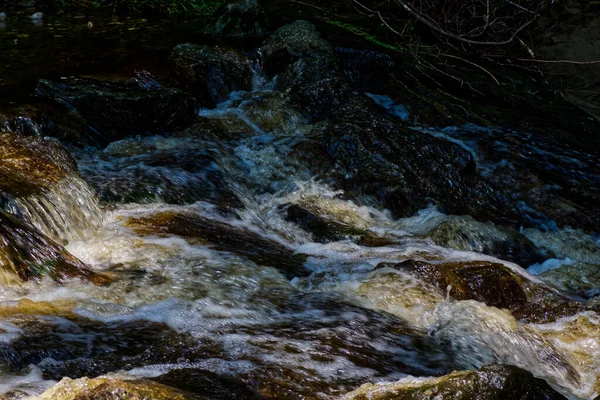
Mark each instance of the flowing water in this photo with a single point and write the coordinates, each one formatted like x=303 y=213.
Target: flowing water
x=185 y=299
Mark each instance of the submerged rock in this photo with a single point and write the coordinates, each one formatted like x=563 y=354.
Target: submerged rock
x=404 y=169
x=114 y=388
x=222 y=236
x=495 y=285
x=494 y=382
x=241 y=18
x=211 y=72
x=307 y=68
x=26 y=254
x=464 y=233
x=118 y=110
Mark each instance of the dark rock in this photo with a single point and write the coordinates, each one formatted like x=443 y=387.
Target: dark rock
x=307 y=68
x=27 y=254
x=119 y=110
x=494 y=382
x=406 y=170
x=211 y=72
x=223 y=237
x=208 y=384
x=242 y=18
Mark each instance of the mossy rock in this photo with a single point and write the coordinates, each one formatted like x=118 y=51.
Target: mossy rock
x=29 y=165
x=211 y=73
x=107 y=388
x=494 y=382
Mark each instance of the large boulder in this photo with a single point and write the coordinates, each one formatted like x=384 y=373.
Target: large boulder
x=406 y=170
x=307 y=68
x=118 y=110
x=494 y=382
x=211 y=72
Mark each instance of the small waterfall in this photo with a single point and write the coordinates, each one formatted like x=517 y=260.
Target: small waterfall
x=64 y=212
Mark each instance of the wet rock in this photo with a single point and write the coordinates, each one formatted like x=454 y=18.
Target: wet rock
x=208 y=384
x=272 y=113
x=224 y=237
x=211 y=72
x=27 y=254
x=171 y=170
x=242 y=18
x=495 y=285
x=464 y=233
x=29 y=165
x=307 y=69
x=406 y=170
x=118 y=110
x=114 y=388
x=580 y=279
x=494 y=382
x=492 y=284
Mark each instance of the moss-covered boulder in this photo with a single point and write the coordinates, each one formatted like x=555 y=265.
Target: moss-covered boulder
x=222 y=236
x=27 y=254
x=211 y=73
x=307 y=68
x=494 y=382
x=113 y=388
x=117 y=110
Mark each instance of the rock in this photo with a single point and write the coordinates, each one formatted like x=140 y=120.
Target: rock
x=113 y=388
x=464 y=233
x=406 y=170
x=272 y=113
x=494 y=382
x=223 y=237
x=118 y=110
x=495 y=285
x=40 y=183
x=172 y=170
x=242 y=18
x=29 y=165
x=27 y=254
x=211 y=72
x=307 y=69
x=579 y=279
x=207 y=384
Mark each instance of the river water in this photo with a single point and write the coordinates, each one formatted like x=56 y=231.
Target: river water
x=187 y=300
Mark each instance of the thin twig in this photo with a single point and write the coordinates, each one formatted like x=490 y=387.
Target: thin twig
x=559 y=61
x=473 y=64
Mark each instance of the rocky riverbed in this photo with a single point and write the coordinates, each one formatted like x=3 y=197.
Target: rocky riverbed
x=286 y=217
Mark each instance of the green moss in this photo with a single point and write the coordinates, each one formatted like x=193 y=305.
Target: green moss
x=367 y=36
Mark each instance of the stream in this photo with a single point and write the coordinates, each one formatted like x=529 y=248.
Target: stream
x=243 y=253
